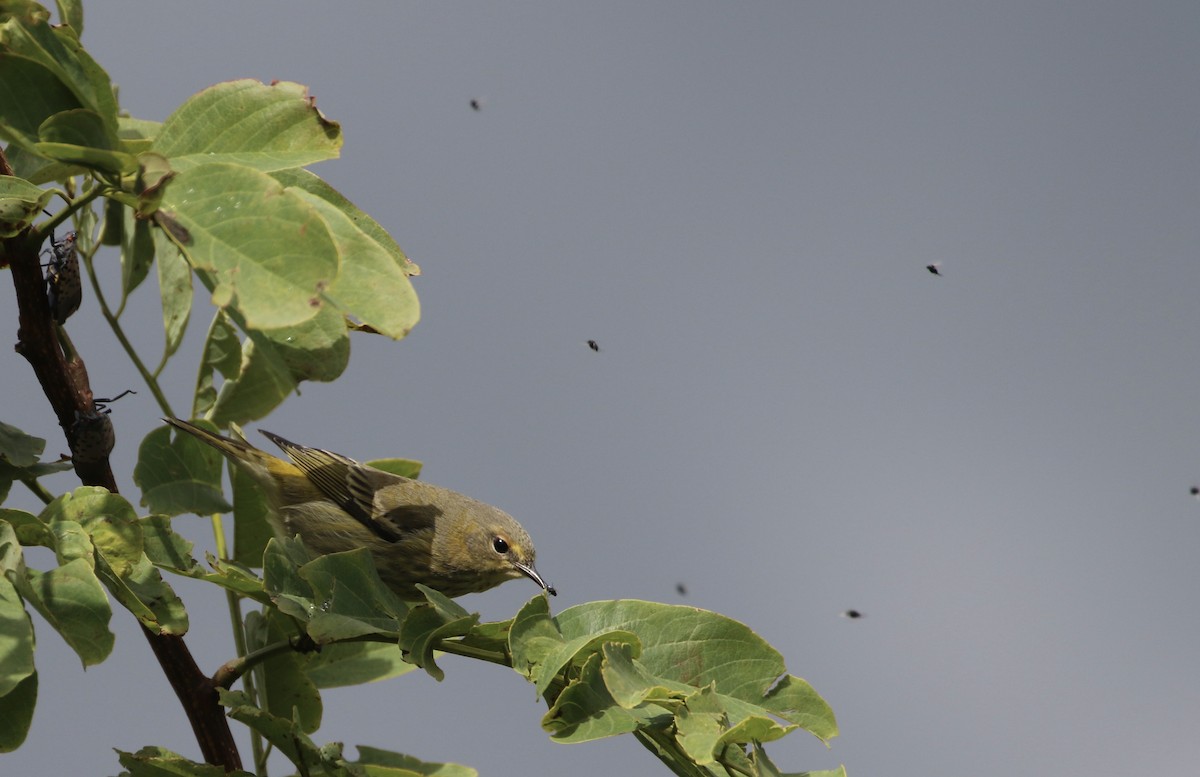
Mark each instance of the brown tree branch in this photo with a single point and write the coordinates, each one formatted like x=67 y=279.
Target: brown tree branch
x=65 y=382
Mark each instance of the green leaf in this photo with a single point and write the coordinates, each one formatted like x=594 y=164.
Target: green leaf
x=16 y=631
x=70 y=12
x=286 y=735
x=575 y=652
x=318 y=349
x=29 y=528
x=73 y=602
x=34 y=90
x=165 y=548
x=16 y=713
x=699 y=725
x=69 y=542
x=175 y=289
x=288 y=691
x=21 y=202
x=765 y=768
x=160 y=762
x=19 y=453
x=234 y=577
x=273 y=268
x=350 y=600
x=630 y=684
x=439 y=618
x=261 y=384
x=533 y=637
x=47 y=72
x=81 y=137
x=252 y=528
x=372 y=756
x=222 y=353
x=489 y=637
x=180 y=475
x=58 y=50
x=145 y=594
x=109 y=521
x=130 y=128
x=697 y=647
x=586 y=710
x=354 y=663
x=313 y=184
x=137 y=251
x=249 y=123
x=291 y=593
x=17 y=448
x=372 y=282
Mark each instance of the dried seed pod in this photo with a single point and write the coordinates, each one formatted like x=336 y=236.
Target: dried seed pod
x=64 y=286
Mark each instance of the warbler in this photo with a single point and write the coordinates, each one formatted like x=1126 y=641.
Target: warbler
x=416 y=532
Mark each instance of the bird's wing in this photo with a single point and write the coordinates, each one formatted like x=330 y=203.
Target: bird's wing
x=348 y=484
x=395 y=506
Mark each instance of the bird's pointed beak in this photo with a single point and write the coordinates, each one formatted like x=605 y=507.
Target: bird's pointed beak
x=531 y=573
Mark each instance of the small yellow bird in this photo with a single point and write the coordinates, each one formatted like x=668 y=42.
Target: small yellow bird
x=416 y=532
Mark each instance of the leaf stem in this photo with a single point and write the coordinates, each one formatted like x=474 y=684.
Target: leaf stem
x=230 y=671
x=38 y=490
x=455 y=647
x=115 y=325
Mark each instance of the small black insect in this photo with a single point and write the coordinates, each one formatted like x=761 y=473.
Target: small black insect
x=92 y=435
x=935 y=268
x=852 y=614
x=594 y=346
x=64 y=287
x=681 y=589
x=476 y=105
x=1195 y=490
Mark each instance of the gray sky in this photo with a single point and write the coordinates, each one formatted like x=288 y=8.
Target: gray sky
x=788 y=413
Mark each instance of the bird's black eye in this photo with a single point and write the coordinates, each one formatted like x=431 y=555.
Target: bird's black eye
x=499 y=545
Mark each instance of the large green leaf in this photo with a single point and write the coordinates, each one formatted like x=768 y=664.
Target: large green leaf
x=372 y=279
x=107 y=518
x=696 y=687
x=264 y=249
x=696 y=647
x=249 y=123
x=180 y=475
x=44 y=71
x=72 y=600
